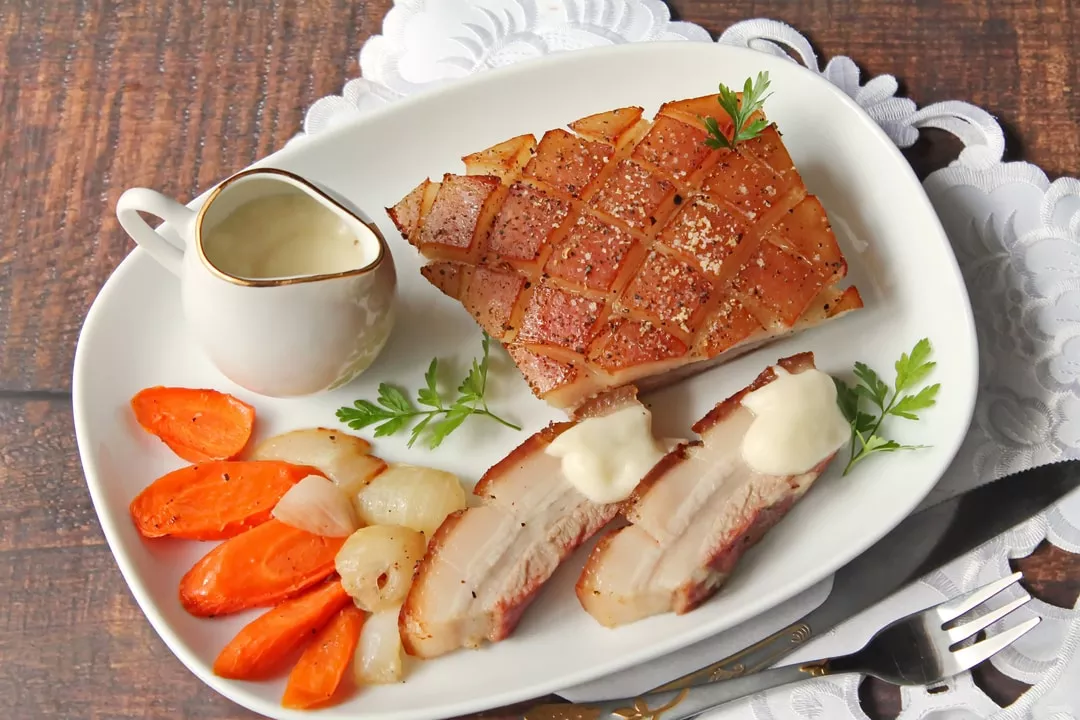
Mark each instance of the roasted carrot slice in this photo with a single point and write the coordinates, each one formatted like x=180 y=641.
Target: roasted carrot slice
x=266 y=644
x=318 y=672
x=198 y=425
x=214 y=500
x=259 y=567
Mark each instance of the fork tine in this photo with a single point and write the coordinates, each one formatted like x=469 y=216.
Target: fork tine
x=962 y=632
x=953 y=609
x=972 y=655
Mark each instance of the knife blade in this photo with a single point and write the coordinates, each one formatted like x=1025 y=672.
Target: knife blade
x=923 y=542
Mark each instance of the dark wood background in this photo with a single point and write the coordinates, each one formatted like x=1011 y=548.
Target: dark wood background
x=97 y=96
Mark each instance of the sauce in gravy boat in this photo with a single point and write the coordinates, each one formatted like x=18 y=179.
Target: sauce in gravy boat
x=287 y=291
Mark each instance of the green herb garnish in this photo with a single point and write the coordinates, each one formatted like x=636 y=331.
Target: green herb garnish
x=753 y=98
x=872 y=391
x=395 y=411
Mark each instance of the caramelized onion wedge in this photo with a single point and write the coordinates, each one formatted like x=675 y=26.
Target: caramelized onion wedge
x=318 y=506
x=416 y=497
x=376 y=565
x=342 y=457
x=378 y=657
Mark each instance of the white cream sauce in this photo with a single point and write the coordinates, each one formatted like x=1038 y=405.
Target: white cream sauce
x=285 y=235
x=796 y=425
x=605 y=457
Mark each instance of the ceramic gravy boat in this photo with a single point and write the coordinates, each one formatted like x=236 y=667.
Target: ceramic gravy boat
x=287 y=291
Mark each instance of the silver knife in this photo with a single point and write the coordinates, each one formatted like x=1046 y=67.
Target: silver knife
x=920 y=544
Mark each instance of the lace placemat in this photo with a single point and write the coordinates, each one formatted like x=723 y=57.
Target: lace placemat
x=1017 y=237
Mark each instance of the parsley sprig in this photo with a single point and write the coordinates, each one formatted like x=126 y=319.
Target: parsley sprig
x=872 y=391
x=753 y=98
x=438 y=417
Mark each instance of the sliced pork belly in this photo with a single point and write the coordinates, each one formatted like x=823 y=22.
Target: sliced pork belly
x=627 y=250
x=485 y=564
x=693 y=516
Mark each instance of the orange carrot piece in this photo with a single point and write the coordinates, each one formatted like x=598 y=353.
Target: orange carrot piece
x=265 y=645
x=198 y=425
x=318 y=673
x=257 y=568
x=214 y=500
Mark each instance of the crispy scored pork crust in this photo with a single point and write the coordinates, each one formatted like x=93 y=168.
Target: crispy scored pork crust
x=485 y=564
x=628 y=250
x=693 y=516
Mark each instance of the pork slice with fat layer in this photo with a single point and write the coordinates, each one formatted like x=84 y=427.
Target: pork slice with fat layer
x=485 y=564
x=693 y=516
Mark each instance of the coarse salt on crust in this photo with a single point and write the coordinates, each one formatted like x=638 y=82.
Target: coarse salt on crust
x=642 y=250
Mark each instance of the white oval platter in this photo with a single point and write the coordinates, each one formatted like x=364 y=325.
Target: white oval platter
x=900 y=258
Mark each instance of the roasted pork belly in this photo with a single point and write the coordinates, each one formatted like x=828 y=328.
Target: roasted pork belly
x=486 y=563
x=693 y=516
x=628 y=250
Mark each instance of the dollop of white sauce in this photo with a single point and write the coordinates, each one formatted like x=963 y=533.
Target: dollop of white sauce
x=605 y=457
x=796 y=425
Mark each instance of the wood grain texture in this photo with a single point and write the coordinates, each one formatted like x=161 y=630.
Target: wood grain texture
x=1051 y=574
x=1013 y=58
x=73 y=643
x=97 y=96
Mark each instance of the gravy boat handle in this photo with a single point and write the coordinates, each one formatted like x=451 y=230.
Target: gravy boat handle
x=162 y=248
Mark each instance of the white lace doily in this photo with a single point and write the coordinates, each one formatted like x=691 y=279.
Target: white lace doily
x=1016 y=234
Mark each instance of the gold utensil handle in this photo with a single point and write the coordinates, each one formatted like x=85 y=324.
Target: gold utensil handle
x=758 y=656
x=678 y=704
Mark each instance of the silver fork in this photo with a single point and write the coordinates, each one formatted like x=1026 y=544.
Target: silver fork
x=919 y=649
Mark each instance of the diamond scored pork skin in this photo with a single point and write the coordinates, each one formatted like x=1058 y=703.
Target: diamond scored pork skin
x=628 y=251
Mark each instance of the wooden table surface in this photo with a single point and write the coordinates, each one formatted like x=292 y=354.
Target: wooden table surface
x=97 y=96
